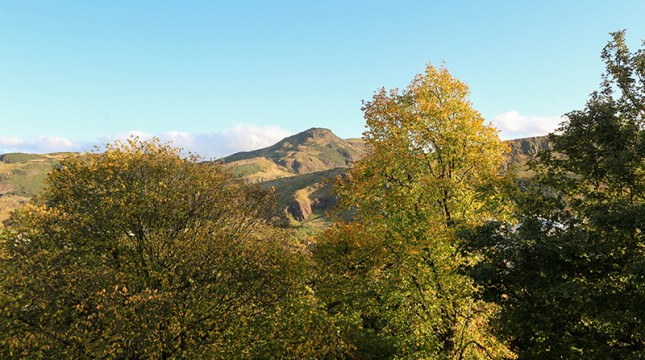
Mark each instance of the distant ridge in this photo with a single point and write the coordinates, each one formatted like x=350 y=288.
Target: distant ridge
x=299 y=167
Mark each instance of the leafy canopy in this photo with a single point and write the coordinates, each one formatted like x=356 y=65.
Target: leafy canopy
x=570 y=280
x=390 y=276
x=138 y=252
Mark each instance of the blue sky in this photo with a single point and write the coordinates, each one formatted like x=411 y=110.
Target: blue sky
x=222 y=76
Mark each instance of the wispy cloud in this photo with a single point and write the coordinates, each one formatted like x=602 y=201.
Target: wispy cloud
x=241 y=137
x=515 y=125
x=40 y=144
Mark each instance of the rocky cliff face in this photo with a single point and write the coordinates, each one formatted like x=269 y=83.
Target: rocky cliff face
x=528 y=146
x=521 y=150
x=303 y=195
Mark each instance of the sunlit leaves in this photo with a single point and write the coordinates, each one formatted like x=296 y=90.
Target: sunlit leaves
x=391 y=276
x=138 y=252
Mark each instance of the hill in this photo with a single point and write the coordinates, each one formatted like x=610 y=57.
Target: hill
x=303 y=195
x=313 y=150
x=22 y=177
x=521 y=150
x=298 y=168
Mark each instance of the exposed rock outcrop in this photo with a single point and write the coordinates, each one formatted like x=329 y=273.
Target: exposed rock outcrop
x=521 y=150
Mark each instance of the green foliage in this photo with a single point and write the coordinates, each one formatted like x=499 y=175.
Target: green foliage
x=391 y=277
x=338 y=156
x=570 y=280
x=139 y=253
x=246 y=169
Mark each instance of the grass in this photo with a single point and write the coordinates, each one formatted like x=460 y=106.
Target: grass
x=13 y=158
x=246 y=169
x=258 y=169
x=21 y=177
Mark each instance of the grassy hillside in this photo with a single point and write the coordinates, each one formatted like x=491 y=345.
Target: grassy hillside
x=22 y=177
x=306 y=194
x=310 y=151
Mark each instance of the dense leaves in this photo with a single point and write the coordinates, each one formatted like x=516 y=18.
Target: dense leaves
x=571 y=279
x=139 y=253
x=390 y=276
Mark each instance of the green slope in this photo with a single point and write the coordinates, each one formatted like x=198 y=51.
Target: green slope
x=21 y=177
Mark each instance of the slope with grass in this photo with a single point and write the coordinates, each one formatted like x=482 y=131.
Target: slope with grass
x=22 y=177
x=313 y=150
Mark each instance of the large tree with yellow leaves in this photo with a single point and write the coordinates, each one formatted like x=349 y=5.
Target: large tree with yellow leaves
x=390 y=276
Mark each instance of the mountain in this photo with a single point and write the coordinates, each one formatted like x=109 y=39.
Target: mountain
x=313 y=150
x=299 y=169
x=310 y=193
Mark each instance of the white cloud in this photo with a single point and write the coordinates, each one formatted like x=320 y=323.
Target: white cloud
x=54 y=142
x=242 y=137
x=10 y=141
x=40 y=144
x=514 y=125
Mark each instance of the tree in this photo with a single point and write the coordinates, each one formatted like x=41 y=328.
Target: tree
x=571 y=279
x=137 y=253
x=390 y=276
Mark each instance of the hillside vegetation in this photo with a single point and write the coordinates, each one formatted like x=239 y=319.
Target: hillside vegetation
x=22 y=177
x=299 y=168
x=310 y=193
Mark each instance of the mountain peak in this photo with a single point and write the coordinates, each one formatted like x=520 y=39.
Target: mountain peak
x=312 y=150
x=319 y=132
x=313 y=134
